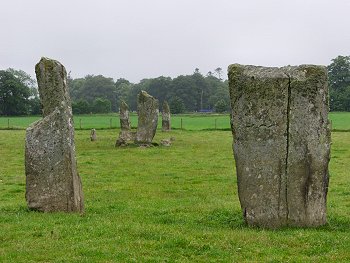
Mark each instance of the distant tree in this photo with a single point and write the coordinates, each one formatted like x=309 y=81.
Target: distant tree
x=92 y=87
x=209 y=74
x=121 y=81
x=184 y=87
x=339 y=72
x=132 y=94
x=122 y=92
x=159 y=87
x=218 y=91
x=34 y=106
x=176 y=105
x=339 y=83
x=196 y=71
x=81 y=107
x=23 y=77
x=14 y=94
x=218 y=71
x=76 y=88
x=101 y=105
x=221 y=106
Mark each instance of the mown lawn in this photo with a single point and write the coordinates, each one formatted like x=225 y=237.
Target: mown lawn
x=162 y=205
x=340 y=121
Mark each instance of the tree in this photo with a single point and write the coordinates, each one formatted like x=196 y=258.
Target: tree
x=81 y=107
x=121 y=81
x=339 y=83
x=122 y=92
x=339 y=72
x=176 y=105
x=159 y=87
x=34 y=106
x=14 y=95
x=101 y=105
x=92 y=87
x=23 y=77
x=218 y=71
x=221 y=106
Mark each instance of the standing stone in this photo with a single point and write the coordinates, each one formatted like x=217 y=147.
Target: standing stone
x=166 y=117
x=52 y=180
x=125 y=133
x=93 y=136
x=147 y=110
x=125 y=126
x=281 y=143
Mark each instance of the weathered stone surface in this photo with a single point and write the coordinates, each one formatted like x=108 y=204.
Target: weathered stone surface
x=166 y=117
x=165 y=142
x=125 y=133
x=52 y=180
x=121 y=142
x=281 y=143
x=147 y=110
x=93 y=136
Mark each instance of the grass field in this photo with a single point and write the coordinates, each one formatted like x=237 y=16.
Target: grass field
x=340 y=121
x=162 y=205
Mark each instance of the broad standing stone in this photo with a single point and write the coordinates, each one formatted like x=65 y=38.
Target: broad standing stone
x=52 y=180
x=281 y=143
x=147 y=110
x=166 y=117
x=93 y=136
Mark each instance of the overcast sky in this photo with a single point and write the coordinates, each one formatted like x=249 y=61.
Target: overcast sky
x=137 y=39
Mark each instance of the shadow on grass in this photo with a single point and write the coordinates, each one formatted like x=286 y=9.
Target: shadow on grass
x=233 y=219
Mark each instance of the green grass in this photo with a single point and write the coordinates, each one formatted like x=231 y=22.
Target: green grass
x=162 y=205
x=340 y=121
x=106 y=121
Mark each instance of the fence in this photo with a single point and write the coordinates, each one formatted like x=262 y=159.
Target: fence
x=184 y=122
x=340 y=121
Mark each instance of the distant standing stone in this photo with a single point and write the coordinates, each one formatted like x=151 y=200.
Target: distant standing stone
x=165 y=142
x=93 y=136
x=52 y=180
x=281 y=143
x=147 y=110
x=166 y=117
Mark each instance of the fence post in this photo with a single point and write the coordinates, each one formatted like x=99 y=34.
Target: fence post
x=110 y=123
x=215 y=124
x=181 y=123
x=8 y=123
x=80 y=124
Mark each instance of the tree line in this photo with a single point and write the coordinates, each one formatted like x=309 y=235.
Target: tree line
x=186 y=93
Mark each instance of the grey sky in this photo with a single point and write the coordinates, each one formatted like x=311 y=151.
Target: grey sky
x=138 y=39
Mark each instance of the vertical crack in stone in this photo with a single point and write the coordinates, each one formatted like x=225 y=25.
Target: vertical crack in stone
x=287 y=146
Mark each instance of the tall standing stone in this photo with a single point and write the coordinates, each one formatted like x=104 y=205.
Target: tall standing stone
x=166 y=117
x=281 y=143
x=147 y=110
x=125 y=126
x=52 y=180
